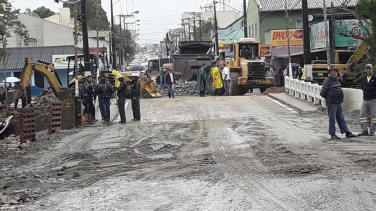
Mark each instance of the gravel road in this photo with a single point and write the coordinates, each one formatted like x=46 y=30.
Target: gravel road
x=192 y=153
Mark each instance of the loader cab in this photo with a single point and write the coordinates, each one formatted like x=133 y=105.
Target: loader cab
x=248 y=50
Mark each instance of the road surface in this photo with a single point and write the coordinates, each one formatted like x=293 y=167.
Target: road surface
x=213 y=153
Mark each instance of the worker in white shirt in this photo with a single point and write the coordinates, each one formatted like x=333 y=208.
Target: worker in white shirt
x=226 y=79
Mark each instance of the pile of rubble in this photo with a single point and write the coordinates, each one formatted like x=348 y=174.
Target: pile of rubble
x=186 y=88
x=274 y=89
x=42 y=101
x=15 y=197
x=12 y=142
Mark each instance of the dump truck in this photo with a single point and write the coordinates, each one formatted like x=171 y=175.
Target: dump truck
x=247 y=70
x=190 y=56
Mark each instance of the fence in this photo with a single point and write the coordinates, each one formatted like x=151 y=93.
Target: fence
x=304 y=91
x=310 y=92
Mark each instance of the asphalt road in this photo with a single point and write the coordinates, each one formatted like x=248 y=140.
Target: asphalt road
x=213 y=153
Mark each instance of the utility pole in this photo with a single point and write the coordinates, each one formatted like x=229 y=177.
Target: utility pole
x=77 y=93
x=5 y=75
x=85 y=36
x=189 y=28
x=306 y=39
x=216 y=30
x=331 y=35
x=183 y=25
x=244 y=18
x=326 y=34
x=113 y=52
x=98 y=21
x=194 y=28
x=121 y=46
x=288 y=38
x=200 y=28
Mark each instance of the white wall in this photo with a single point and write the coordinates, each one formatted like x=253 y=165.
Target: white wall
x=224 y=18
x=47 y=33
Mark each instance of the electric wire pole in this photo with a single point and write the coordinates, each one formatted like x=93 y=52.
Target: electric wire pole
x=288 y=38
x=216 y=31
x=326 y=35
x=113 y=44
x=85 y=37
x=245 y=18
x=121 y=46
x=77 y=93
x=98 y=21
x=306 y=39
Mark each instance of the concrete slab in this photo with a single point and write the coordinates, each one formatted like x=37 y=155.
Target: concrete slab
x=294 y=102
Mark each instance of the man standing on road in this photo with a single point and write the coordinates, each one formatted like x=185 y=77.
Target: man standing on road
x=135 y=96
x=104 y=91
x=226 y=79
x=333 y=94
x=170 y=80
x=88 y=94
x=201 y=80
x=368 y=86
x=218 y=85
x=122 y=93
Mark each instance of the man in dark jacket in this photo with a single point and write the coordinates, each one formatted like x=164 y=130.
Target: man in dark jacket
x=333 y=94
x=88 y=95
x=135 y=93
x=2 y=95
x=170 y=79
x=368 y=86
x=122 y=93
x=104 y=91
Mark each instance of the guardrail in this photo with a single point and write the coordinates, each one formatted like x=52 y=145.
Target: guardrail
x=304 y=91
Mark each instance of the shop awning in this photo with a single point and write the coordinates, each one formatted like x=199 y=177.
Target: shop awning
x=298 y=53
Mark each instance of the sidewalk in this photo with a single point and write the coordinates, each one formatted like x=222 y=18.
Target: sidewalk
x=294 y=102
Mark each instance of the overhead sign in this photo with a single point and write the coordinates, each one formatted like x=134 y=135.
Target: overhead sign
x=61 y=61
x=318 y=38
x=265 y=51
x=348 y=32
x=279 y=38
x=226 y=46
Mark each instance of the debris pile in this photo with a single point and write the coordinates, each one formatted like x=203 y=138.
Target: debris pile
x=186 y=88
x=42 y=101
x=15 y=197
x=274 y=89
x=13 y=142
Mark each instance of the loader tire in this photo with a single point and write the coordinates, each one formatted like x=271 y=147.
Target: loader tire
x=235 y=89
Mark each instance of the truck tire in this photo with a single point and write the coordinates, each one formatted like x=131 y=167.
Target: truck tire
x=235 y=89
x=210 y=88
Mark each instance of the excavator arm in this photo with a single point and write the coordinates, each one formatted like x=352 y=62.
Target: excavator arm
x=358 y=54
x=47 y=69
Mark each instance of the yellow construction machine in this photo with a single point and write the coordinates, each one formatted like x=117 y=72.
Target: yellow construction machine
x=247 y=70
x=45 y=68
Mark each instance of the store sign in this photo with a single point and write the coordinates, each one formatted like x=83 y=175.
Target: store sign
x=226 y=47
x=279 y=38
x=265 y=51
x=348 y=32
x=318 y=37
x=61 y=61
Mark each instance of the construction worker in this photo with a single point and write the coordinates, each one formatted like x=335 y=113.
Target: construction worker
x=88 y=97
x=135 y=94
x=333 y=94
x=122 y=93
x=218 y=85
x=201 y=80
x=368 y=86
x=104 y=91
x=170 y=80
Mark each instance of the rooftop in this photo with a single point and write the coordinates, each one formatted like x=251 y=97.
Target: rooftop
x=15 y=59
x=275 y=5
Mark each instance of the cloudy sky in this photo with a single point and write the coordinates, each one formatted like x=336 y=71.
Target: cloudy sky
x=156 y=16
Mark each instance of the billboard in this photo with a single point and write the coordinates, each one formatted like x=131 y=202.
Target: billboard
x=348 y=32
x=61 y=61
x=318 y=38
x=279 y=38
x=265 y=51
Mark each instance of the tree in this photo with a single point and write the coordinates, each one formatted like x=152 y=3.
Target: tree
x=206 y=29
x=9 y=24
x=43 y=12
x=125 y=40
x=91 y=11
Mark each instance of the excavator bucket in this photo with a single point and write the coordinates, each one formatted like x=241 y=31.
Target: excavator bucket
x=148 y=89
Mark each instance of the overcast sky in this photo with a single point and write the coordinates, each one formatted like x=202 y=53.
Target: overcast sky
x=156 y=16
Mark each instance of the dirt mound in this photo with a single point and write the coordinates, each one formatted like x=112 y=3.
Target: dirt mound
x=274 y=89
x=43 y=100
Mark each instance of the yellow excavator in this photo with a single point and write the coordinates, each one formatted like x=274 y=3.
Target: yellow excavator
x=45 y=68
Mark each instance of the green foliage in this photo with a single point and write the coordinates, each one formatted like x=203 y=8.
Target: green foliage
x=91 y=10
x=366 y=11
x=206 y=29
x=124 y=40
x=9 y=23
x=43 y=12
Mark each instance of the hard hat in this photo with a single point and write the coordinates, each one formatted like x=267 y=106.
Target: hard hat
x=119 y=76
x=332 y=67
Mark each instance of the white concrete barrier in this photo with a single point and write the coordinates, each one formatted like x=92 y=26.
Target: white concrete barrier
x=353 y=98
x=304 y=91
